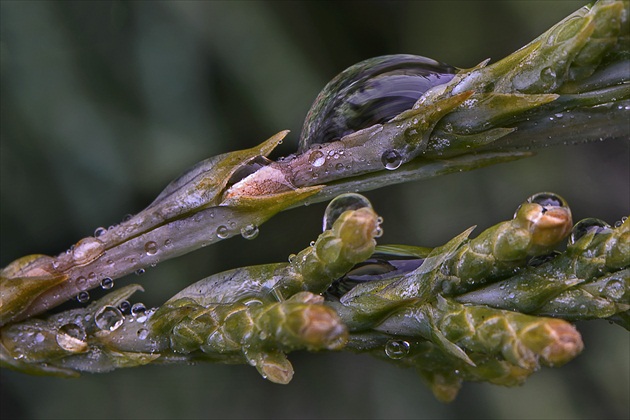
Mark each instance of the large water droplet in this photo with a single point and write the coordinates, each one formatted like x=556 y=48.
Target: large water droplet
x=391 y=159
x=316 y=158
x=250 y=231
x=223 y=232
x=109 y=318
x=341 y=204
x=86 y=250
x=71 y=337
x=396 y=349
x=151 y=248
x=586 y=226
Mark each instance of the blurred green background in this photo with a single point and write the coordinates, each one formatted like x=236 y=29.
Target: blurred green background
x=103 y=103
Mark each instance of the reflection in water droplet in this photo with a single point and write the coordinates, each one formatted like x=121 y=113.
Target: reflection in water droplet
x=250 y=231
x=107 y=283
x=396 y=349
x=316 y=158
x=223 y=232
x=341 y=204
x=83 y=297
x=109 y=318
x=391 y=159
x=71 y=337
x=99 y=231
x=585 y=226
x=151 y=248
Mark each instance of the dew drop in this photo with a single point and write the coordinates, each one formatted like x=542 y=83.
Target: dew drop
x=124 y=306
x=614 y=289
x=250 y=231
x=316 y=158
x=223 y=232
x=109 y=318
x=143 y=333
x=71 y=337
x=585 y=226
x=396 y=349
x=81 y=283
x=341 y=204
x=139 y=272
x=151 y=248
x=139 y=312
x=391 y=159
x=168 y=243
x=292 y=258
x=83 y=297
x=107 y=283
x=86 y=250
x=39 y=337
x=99 y=231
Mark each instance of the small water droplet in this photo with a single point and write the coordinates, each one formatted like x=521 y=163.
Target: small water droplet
x=83 y=297
x=316 y=158
x=378 y=232
x=391 y=159
x=223 y=232
x=138 y=310
x=614 y=289
x=396 y=349
x=39 y=337
x=151 y=248
x=124 y=306
x=127 y=217
x=168 y=243
x=81 y=283
x=341 y=204
x=250 y=231
x=312 y=244
x=108 y=318
x=139 y=272
x=99 y=231
x=143 y=333
x=107 y=283
x=292 y=258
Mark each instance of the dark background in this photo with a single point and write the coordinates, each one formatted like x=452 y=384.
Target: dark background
x=103 y=103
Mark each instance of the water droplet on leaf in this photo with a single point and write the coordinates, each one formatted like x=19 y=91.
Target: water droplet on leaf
x=83 y=297
x=151 y=248
x=71 y=337
x=107 y=283
x=391 y=159
x=250 y=231
x=396 y=349
x=316 y=158
x=223 y=232
x=109 y=318
x=86 y=250
x=341 y=204
x=586 y=226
